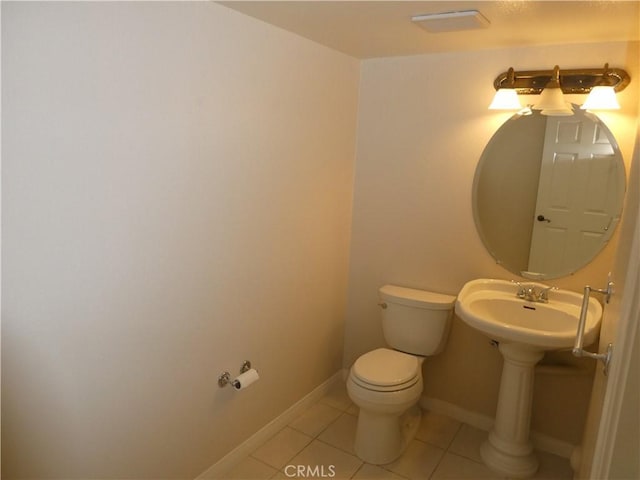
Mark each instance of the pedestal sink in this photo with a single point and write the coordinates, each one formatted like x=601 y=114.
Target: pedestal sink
x=525 y=329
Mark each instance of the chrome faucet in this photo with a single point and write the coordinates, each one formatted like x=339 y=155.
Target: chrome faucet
x=531 y=293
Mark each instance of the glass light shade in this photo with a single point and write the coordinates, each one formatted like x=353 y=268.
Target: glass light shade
x=601 y=98
x=551 y=99
x=505 y=99
x=552 y=103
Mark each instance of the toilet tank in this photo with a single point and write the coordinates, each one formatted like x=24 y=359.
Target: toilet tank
x=415 y=321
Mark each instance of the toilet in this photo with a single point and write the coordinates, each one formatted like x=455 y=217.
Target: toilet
x=386 y=383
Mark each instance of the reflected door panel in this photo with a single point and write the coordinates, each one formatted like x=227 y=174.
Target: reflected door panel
x=574 y=194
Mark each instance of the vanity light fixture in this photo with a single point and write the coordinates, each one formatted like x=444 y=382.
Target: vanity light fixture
x=556 y=83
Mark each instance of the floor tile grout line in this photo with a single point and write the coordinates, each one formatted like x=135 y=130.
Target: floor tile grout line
x=449 y=443
x=331 y=423
x=462 y=455
x=382 y=468
x=293 y=456
x=270 y=467
x=465 y=458
x=453 y=437
x=359 y=468
x=391 y=471
x=342 y=413
x=338 y=448
x=435 y=469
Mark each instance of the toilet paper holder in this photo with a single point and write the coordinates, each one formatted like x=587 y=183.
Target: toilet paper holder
x=225 y=378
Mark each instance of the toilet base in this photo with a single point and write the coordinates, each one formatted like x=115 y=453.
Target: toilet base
x=381 y=439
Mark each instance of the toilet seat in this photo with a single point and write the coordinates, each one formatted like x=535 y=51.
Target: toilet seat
x=385 y=370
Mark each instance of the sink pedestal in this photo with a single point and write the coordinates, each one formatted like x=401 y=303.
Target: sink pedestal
x=525 y=330
x=508 y=449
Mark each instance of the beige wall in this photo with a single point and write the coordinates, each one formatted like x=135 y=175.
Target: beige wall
x=177 y=184
x=423 y=123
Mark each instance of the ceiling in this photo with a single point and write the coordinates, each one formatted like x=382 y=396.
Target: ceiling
x=367 y=29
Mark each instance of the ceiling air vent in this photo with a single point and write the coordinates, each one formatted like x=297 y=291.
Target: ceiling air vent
x=451 y=21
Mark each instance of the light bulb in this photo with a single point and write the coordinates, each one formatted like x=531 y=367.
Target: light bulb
x=505 y=99
x=601 y=98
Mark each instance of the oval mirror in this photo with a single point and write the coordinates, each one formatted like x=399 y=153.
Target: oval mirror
x=548 y=193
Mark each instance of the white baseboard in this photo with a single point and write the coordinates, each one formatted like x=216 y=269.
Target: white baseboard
x=477 y=420
x=540 y=441
x=548 y=444
x=230 y=460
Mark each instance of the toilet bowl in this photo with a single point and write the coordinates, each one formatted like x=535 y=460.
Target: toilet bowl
x=386 y=420
x=386 y=383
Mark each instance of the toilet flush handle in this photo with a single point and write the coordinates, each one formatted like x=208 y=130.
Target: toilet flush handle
x=382 y=304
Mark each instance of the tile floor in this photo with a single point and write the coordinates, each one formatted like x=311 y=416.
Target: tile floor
x=322 y=438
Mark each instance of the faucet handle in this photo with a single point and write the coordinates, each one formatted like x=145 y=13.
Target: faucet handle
x=543 y=294
x=522 y=290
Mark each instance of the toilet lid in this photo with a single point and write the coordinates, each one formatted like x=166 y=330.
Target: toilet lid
x=384 y=367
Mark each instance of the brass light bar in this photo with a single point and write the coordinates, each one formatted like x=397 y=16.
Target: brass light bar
x=532 y=82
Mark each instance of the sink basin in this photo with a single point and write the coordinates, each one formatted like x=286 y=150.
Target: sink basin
x=491 y=306
x=524 y=330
